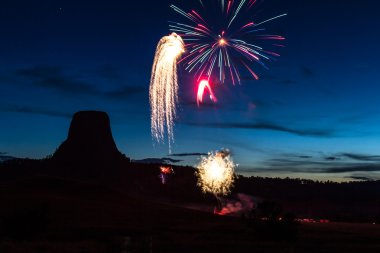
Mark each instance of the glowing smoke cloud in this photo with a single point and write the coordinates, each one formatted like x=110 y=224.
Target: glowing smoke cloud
x=163 y=90
x=242 y=204
x=216 y=173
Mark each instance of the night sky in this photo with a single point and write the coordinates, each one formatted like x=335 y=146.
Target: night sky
x=314 y=114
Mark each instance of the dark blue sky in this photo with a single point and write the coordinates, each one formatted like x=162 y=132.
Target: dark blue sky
x=313 y=114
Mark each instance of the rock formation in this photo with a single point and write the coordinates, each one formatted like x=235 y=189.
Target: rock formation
x=89 y=140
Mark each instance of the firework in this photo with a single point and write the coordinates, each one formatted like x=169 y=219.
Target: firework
x=216 y=173
x=164 y=87
x=203 y=85
x=165 y=172
x=224 y=46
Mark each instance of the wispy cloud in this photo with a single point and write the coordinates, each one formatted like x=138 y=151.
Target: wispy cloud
x=53 y=77
x=266 y=126
x=34 y=110
x=124 y=92
x=307 y=71
x=332 y=158
x=354 y=168
x=314 y=168
x=188 y=154
x=295 y=164
x=363 y=178
x=297 y=155
x=109 y=72
x=366 y=167
x=362 y=157
x=163 y=160
x=5 y=157
x=206 y=105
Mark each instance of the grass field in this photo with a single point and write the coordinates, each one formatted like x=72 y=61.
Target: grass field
x=90 y=219
x=230 y=237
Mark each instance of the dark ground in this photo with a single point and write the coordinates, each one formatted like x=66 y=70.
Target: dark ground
x=333 y=237
x=53 y=214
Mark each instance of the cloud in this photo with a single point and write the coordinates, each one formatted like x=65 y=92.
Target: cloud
x=34 y=110
x=4 y=157
x=298 y=156
x=367 y=168
x=314 y=168
x=332 y=158
x=44 y=71
x=259 y=103
x=354 y=168
x=319 y=167
x=293 y=164
x=307 y=72
x=364 y=178
x=288 y=81
x=265 y=126
x=124 y=92
x=53 y=77
x=189 y=154
x=206 y=104
x=163 y=160
x=298 y=163
x=109 y=72
x=362 y=157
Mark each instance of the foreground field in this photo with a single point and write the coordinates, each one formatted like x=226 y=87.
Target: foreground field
x=312 y=237
x=229 y=237
x=51 y=214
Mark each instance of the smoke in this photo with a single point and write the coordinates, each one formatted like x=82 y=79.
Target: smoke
x=224 y=153
x=243 y=204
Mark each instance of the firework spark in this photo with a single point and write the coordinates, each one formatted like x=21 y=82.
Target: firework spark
x=165 y=172
x=226 y=45
x=164 y=87
x=203 y=85
x=216 y=173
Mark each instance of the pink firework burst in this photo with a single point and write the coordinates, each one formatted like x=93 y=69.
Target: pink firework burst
x=224 y=43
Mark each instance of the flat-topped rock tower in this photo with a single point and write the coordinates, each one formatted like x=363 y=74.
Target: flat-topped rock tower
x=89 y=140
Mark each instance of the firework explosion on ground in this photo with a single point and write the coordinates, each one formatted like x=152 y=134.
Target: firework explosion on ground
x=216 y=173
x=226 y=45
x=165 y=172
x=163 y=90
